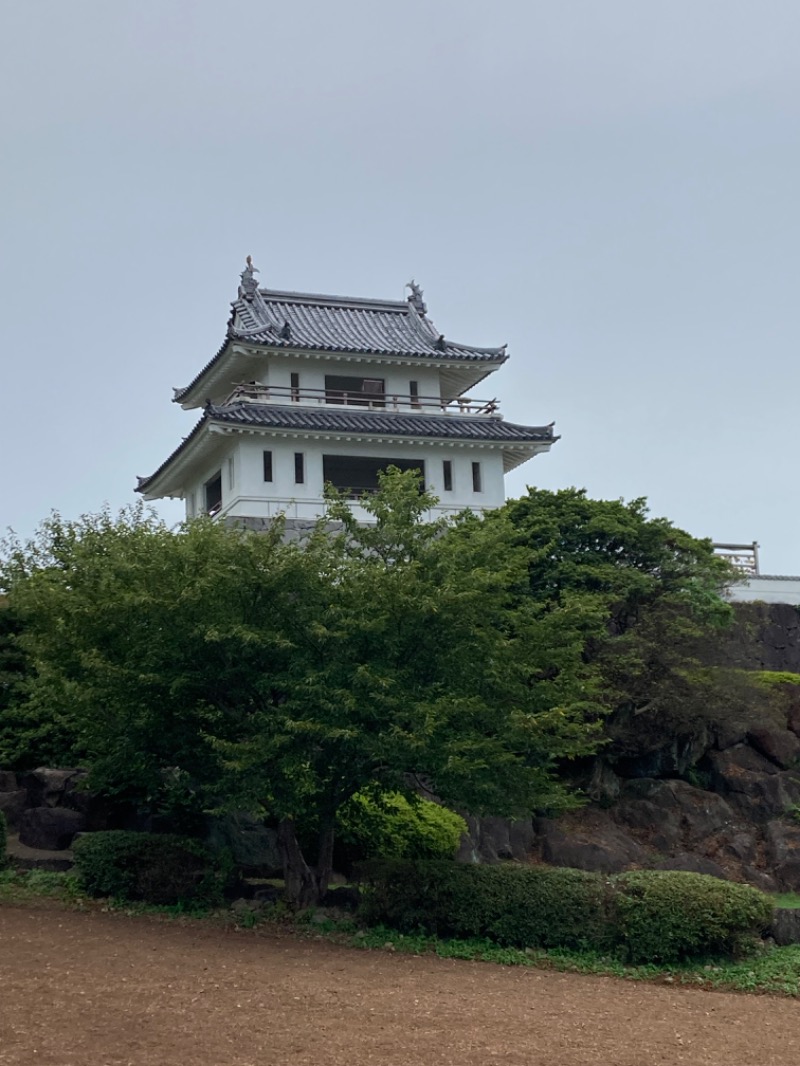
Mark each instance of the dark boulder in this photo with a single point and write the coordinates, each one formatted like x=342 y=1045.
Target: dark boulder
x=46 y=787
x=752 y=783
x=780 y=746
x=785 y=927
x=759 y=879
x=742 y=845
x=702 y=813
x=600 y=846
x=693 y=864
x=672 y=812
x=729 y=733
x=50 y=828
x=783 y=853
x=646 y=807
x=8 y=781
x=12 y=804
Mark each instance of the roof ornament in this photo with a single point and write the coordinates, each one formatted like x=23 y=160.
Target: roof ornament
x=249 y=285
x=415 y=299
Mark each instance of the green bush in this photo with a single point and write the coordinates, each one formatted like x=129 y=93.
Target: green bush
x=3 y=840
x=392 y=827
x=516 y=906
x=155 y=868
x=647 y=916
x=666 y=915
x=771 y=678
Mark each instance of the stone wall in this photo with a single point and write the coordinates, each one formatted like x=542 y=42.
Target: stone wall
x=722 y=800
x=764 y=636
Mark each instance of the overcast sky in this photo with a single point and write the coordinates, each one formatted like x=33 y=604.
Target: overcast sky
x=611 y=187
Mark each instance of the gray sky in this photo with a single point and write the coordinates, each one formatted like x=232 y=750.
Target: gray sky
x=610 y=187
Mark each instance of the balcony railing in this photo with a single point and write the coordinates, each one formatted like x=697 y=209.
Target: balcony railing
x=385 y=401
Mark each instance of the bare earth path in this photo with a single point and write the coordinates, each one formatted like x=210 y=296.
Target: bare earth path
x=95 y=989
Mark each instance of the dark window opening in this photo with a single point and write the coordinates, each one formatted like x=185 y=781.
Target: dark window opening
x=295 y=383
x=268 y=466
x=356 y=474
x=447 y=475
x=299 y=468
x=213 y=489
x=413 y=391
x=476 y=478
x=363 y=392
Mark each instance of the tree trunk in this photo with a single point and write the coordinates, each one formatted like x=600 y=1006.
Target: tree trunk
x=302 y=883
x=325 y=859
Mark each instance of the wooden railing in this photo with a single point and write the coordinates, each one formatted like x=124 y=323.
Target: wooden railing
x=387 y=401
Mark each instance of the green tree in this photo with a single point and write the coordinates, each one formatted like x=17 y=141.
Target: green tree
x=650 y=597
x=21 y=743
x=212 y=666
x=412 y=658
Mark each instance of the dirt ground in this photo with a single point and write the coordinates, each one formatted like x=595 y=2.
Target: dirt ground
x=99 y=989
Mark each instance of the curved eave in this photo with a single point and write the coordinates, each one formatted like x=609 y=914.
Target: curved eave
x=229 y=365
x=157 y=485
x=210 y=434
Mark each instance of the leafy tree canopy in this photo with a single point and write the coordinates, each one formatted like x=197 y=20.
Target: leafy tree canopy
x=650 y=596
x=239 y=670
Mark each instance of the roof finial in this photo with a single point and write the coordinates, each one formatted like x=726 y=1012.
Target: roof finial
x=249 y=285
x=415 y=299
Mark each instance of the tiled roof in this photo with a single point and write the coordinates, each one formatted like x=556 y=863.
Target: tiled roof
x=362 y=422
x=312 y=322
x=380 y=422
x=344 y=324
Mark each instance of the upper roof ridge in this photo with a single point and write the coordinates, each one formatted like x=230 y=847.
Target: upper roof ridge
x=326 y=300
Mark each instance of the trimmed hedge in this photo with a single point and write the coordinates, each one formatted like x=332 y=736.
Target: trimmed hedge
x=647 y=916
x=153 y=867
x=516 y=906
x=3 y=840
x=666 y=915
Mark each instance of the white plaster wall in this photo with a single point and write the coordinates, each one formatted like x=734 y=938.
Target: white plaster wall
x=312 y=374
x=767 y=590
x=252 y=497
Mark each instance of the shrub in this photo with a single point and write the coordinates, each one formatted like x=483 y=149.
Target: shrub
x=771 y=678
x=156 y=868
x=666 y=916
x=516 y=906
x=3 y=840
x=646 y=916
x=392 y=827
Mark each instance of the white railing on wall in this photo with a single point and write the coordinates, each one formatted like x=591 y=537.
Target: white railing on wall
x=305 y=510
x=374 y=400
